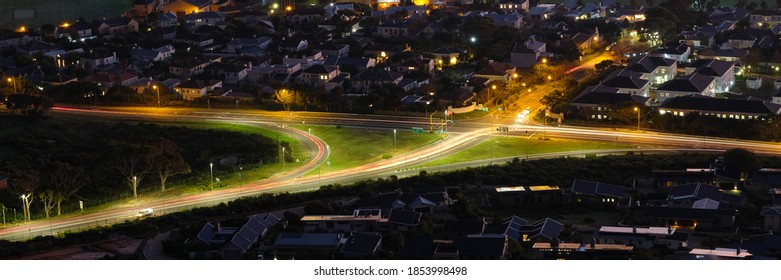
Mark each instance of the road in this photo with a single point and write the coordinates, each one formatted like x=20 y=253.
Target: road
x=463 y=134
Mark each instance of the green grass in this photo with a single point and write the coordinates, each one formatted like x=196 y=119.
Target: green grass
x=499 y=146
x=59 y=11
x=351 y=147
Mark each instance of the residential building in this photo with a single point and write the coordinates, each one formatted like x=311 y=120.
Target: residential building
x=688 y=218
x=394 y=29
x=760 y=19
x=185 y=7
x=328 y=48
x=722 y=71
x=740 y=109
x=598 y=101
x=188 y=66
x=627 y=82
x=528 y=195
x=145 y=7
x=657 y=70
x=696 y=84
x=376 y=77
x=241 y=45
x=497 y=71
x=514 y=5
x=772 y=218
x=599 y=194
x=643 y=237
x=293 y=45
x=195 y=20
x=362 y=220
x=317 y=75
x=674 y=50
x=193 y=89
x=693 y=194
x=741 y=41
x=232 y=73
x=403 y=220
x=526 y=55
x=115 y=26
x=361 y=245
x=96 y=58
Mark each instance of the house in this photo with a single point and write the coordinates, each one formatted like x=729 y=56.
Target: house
x=627 y=82
x=526 y=55
x=688 y=218
x=361 y=245
x=241 y=242
x=377 y=50
x=627 y=14
x=394 y=29
x=403 y=220
x=317 y=75
x=188 y=66
x=741 y=41
x=447 y=55
x=238 y=45
x=514 y=20
x=201 y=40
x=96 y=58
x=736 y=56
x=596 y=193
x=496 y=71
x=306 y=15
x=185 y=7
x=116 y=26
x=584 y=42
x=33 y=47
x=754 y=82
x=165 y=20
x=721 y=254
x=232 y=73
x=293 y=45
x=541 y=11
x=657 y=70
x=423 y=202
x=694 y=84
x=772 y=217
x=193 y=89
x=289 y=244
x=361 y=220
x=151 y=55
x=712 y=175
x=674 y=50
x=688 y=195
x=643 y=237
x=80 y=31
x=596 y=102
x=195 y=20
x=544 y=230
x=371 y=77
x=328 y=48
x=722 y=71
x=415 y=64
x=508 y=6
x=358 y=63
x=145 y=7
x=740 y=109
x=528 y=195
x=106 y=80
x=760 y=18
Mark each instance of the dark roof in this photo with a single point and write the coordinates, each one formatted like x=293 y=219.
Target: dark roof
x=386 y=47
x=482 y=246
x=705 y=103
x=647 y=63
x=674 y=48
x=459 y=227
x=192 y=83
x=199 y=3
x=448 y=50
x=521 y=48
x=320 y=69
x=417 y=247
x=404 y=217
x=607 y=98
x=712 y=67
x=328 y=46
x=581 y=38
x=683 y=213
x=598 y=189
x=362 y=244
x=625 y=79
x=770 y=211
x=513 y=227
x=548 y=229
x=118 y=21
x=373 y=74
x=701 y=191
x=742 y=36
x=695 y=83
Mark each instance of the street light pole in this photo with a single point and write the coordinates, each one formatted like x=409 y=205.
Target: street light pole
x=158 y=94
x=24 y=208
x=241 y=182
x=394 y=139
x=211 y=175
x=638 y=118
x=283 y=158
x=135 y=187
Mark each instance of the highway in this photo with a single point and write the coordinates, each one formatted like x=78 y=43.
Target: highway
x=462 y=134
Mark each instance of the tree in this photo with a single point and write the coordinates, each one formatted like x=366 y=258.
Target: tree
x=64 y=180
x=47 y=197
x=166 y=160
x=285 y=97
x=132 y=162
x=742 y=159
x=603 y=65
x=29 y=105
x=24 y=183
x=763 y=5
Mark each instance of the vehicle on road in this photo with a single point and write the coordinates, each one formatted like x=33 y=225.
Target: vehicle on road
x=144 y=212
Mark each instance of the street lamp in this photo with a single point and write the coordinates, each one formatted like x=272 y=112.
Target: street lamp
x=473 y=39
x=544 y=60
x=24 y=206
x=394 y=139
x=158 y=94
x=13 y=82
x=638 y=118
x=211 y=175
x=241 y=182
x=283 y=158
x=135 y=187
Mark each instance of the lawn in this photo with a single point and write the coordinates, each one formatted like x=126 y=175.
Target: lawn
x=58 y=12
x=499 y=146
x=351 y=147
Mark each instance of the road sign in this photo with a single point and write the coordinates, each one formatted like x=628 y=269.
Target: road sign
x=417 y=130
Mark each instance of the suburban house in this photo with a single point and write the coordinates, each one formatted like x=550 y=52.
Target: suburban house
x=150 y=55
x=188 y=66
x=306 y=15
x=688 y=218
x=514 y=5
x=145 y=7
x=403 y=220
x=582 y=251
x=96 y=58
x=657 y=70
x=496 y=71
x=739 y=109
x=447 y=55
x=393 y=29
x=693 y=194
x=585 y=42
x=760 y=18
x=201 y=40
x=772 y=216
x=385 y=51
x=115 y=26
x=642 y=237
x=542 y=11
x=80 y=31
x=106 y=80
x=415 y=64
x=627 y=82
x=232 y=73
x=741 y=41
x=513 y=19
x=361 y=245
x=674 y=50
x=317 y=75
x=696 y=84
x=528 y=195
x=231 y=243
x=371 y=77
x=597 y=101
x=193 y=89
x=293 y=45
x=206 y=18
x=289 y=244
x=722 y=71
x=597 y=194
x=526 y=55
x=328 y=48
x=359 y=63
x=240 y=45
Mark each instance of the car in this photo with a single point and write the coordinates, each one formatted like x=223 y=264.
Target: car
x=527 y=110
x=144 y=212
